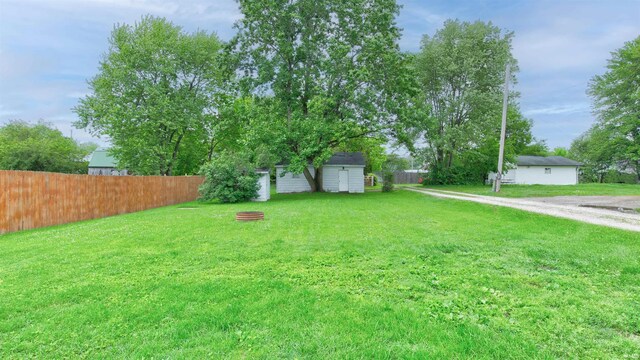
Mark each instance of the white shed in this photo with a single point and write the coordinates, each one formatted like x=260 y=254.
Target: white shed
x=343 y=172
x=264 y=192
x=542 y=170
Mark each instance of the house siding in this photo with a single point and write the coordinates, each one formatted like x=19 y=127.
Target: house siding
x=107 y=171
x=535 y=175
x=560 y=175
x=288 y=184
x=356 y=179
x=330 y=178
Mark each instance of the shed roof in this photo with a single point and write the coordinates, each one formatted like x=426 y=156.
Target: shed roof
x=346 y=158
x=525 y=160
x=101 y=158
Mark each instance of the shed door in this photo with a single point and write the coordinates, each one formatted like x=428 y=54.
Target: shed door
x=266 y=186
x=343 y=180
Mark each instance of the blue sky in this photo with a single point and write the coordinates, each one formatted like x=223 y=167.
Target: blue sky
x=48 y=49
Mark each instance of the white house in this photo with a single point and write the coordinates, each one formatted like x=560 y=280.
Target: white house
x=343 y=172
x=102 y=163
x=543 y=170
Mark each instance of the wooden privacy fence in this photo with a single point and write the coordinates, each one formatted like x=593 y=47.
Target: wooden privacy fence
x=30 y=200
x=401 y=177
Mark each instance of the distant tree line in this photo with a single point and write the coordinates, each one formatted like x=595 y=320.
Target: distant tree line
x=40 y=147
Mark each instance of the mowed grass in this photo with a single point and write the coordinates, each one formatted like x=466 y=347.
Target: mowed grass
x=516 y=191
x=376 y=275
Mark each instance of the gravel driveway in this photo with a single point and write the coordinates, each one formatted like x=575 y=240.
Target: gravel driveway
x=615 y=203
x=568 y=209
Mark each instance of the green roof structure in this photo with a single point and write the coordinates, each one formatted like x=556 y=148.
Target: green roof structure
x=101 y=159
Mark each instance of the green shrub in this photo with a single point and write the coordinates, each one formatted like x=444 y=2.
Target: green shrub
x=590 y=175
x=618 y=177
x=229 y=179
x=454 y=175
x=387 y=181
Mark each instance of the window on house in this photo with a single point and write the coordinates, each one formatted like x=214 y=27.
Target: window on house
x=547 y=170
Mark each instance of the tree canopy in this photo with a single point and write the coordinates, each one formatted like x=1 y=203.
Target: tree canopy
x=41 y=147
x=328 y=72
x=614 y=140
x=460 y=73
x=593 y=150
x=156 y=97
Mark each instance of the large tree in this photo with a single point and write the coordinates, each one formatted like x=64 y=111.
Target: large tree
x=460 y=71
x=616 y=101
x=41 y=147
x=157 y=97
x=327 y=72
x=597 y=153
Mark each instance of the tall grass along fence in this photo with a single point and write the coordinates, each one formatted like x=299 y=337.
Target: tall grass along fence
x=30 y=200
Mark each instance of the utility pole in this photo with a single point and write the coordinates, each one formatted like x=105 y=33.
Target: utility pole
x=503 y=131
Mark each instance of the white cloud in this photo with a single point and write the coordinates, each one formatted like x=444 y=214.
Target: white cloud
x=64 y=118
x=20 y=66
x=425 y=15
x=222 y=11
x=552 y=50
x=137 y=5
x=416 y=19
x=558 y=109
x=574 y=36
x=4 y=112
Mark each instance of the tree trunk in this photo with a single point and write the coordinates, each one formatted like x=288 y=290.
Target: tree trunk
x=212 y=145
x=440 y=157
x=163 y=164
x=174 y=155
x=318 y=179
x=310 y=179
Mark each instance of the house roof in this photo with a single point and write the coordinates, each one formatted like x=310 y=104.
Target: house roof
x=525 y=160
x=340 y=159
x=101 y=158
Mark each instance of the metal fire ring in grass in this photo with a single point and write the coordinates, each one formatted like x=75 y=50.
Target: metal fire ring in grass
x=249 y=215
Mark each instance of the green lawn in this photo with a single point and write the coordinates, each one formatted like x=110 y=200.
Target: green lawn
x=376 y=275
x=516 y=191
